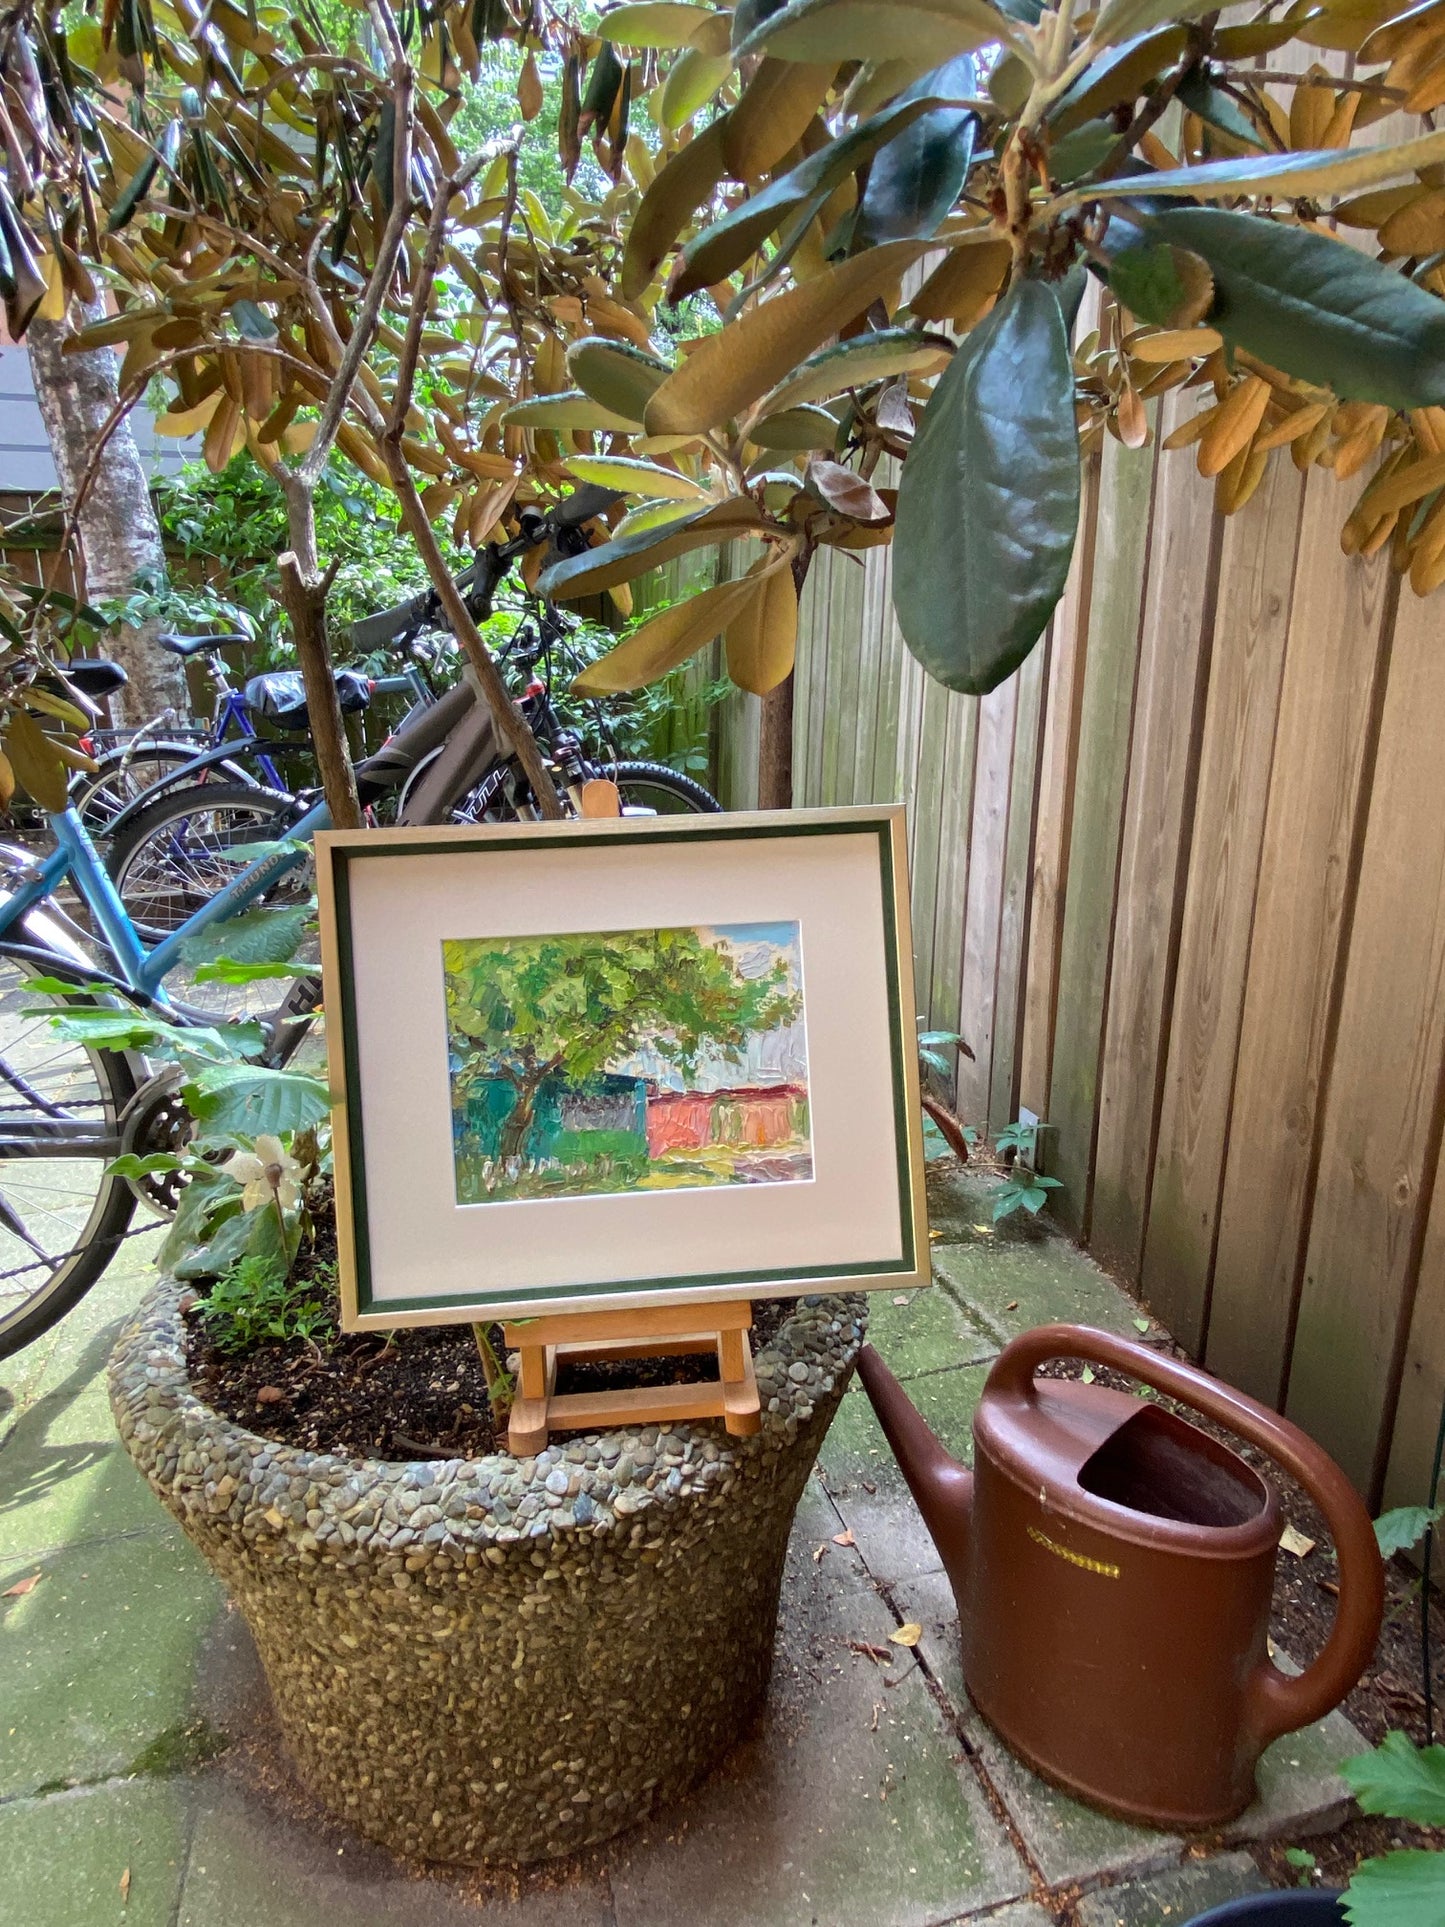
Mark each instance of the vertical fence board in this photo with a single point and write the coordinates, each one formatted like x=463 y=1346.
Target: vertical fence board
x=960 y=726
x=1058 y=756
x=1422 y=1382
x=1173 y=665
x=1121 y=551
x=1014 y=915
x=1338 y=627
x=930 y=809
x=1381 y=1129
x=1255 y=586
x=987 y=832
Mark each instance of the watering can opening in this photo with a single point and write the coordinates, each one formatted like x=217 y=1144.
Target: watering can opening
x=1158 y=1464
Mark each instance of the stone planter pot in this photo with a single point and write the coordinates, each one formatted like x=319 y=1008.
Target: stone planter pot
x=494 y=1659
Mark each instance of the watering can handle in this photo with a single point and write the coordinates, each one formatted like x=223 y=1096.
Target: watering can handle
x=1279 y=1703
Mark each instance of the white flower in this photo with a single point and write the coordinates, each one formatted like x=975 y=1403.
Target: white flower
x=263 y=1174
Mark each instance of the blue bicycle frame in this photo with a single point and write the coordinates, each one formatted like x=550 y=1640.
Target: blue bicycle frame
x=139 y=969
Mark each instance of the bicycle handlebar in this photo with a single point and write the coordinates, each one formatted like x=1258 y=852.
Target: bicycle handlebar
x=480 y=580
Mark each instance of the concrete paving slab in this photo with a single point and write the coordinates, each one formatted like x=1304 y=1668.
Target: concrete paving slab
x=1069 y=1841
x=863 y=1479
x=850 y=1806
x=1173 y=1898
x=253 y=1866
x=1300 y=1789
x=97 y=1661
x=1018 y=1913
x=925 y=1331
x=1010 y=1287
x=106 y=1856
x=66 y=1479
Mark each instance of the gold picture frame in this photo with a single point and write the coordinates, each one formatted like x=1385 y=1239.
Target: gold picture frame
x=759 y=1178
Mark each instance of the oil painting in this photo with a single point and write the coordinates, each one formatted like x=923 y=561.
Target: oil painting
x=627 y=1061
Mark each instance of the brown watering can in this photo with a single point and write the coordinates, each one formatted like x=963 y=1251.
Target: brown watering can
x=1113 y=1567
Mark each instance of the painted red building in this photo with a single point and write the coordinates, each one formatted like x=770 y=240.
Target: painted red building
x=750 y=1119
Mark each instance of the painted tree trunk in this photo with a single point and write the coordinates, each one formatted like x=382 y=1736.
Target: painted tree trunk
x=119 y=535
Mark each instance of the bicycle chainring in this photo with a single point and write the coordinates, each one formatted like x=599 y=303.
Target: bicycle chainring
x=156 y=1120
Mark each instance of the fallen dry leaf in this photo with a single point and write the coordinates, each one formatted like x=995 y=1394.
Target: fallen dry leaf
x=270 y=1395
x=22 y=1586
x=1296 y=1542
x=843 y=1538
x=935 y=1234
x=879 y=1655
x=908 y=1635
x=818 y=1552
x=1012 y=1305
x=902 y=1299
x=125 y=1887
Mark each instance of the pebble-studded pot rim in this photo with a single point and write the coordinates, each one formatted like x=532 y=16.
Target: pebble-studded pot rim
x=580 y=1482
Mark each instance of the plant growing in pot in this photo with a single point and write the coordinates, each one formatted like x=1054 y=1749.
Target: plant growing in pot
x=472 y=1657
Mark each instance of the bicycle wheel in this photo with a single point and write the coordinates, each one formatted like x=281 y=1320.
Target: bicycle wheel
x=121 y=776
x=662 y=791
x=172 y=858
x=61 y=1217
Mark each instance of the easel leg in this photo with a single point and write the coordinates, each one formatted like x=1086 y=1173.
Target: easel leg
x=743 y=1414
x=527 y=1432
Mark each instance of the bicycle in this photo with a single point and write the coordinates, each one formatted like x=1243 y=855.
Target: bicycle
x=69 y=1110
x=135 y=766
x=167 y=855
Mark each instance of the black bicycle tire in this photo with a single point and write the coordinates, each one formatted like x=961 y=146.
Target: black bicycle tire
x=171 y=807
x=103 y=1232
x=86 y=782
x=700 y=801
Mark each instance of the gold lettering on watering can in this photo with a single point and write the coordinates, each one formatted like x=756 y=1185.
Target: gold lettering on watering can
x=1100 y=1566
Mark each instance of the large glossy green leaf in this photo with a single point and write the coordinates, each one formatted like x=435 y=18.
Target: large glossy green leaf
x=1405 y=1781
x=1317 y=308
x=875 y=356
x=727 y=372
x=988 y=506
x=574 y=408
x=633 y=477
x=917 y=174
x=255 y=937
x=1405 y=1889
x=1321 y=171
x=246 y=1100
x=631 y=555
x=927 y=30
x=616 y=375
x=712 y=255
x=654 y=23
x=678 y=190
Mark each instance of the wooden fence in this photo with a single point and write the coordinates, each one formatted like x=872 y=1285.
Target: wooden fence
x=1181 y=884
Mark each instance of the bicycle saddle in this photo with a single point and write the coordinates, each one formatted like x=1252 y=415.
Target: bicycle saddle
x=196 y=645
x=96 y=678
x=281 y=696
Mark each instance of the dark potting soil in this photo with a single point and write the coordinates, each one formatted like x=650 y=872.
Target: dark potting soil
x=413 y=1394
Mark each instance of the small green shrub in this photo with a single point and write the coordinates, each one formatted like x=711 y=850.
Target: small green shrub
x=254 y=1304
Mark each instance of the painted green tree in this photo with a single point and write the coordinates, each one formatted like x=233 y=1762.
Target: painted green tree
x=532 y=1008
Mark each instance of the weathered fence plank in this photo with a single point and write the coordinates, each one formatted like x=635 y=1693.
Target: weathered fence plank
x=1121 y=554
x=1329 y=709
x=1256 y=581
x=1173 y=673
x=1382 y=1119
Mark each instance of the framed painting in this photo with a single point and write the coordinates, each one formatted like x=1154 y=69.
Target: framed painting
x=591 y=1065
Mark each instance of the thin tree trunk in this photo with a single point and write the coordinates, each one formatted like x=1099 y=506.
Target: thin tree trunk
x=775 y=748
x=119 y=535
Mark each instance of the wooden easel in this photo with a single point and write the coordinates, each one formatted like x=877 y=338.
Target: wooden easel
x=651 y=1331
